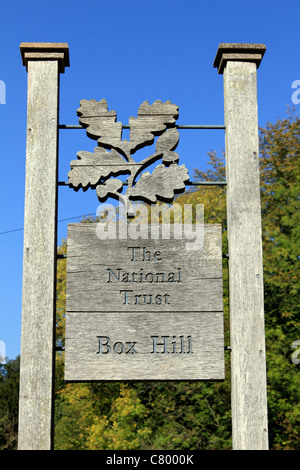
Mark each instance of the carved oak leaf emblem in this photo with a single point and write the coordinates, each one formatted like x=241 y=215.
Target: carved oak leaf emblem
x=111 y=188
x=113 y=156
x=162 y=183
x=92 y=168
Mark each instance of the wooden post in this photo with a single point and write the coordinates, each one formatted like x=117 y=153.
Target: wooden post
x=238 y=64
x=44 y=63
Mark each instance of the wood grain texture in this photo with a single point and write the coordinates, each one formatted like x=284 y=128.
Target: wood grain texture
x=160 y=185
x=248 y=357
x=45 y=51
x=238 y=52
x=101 y=124
x=95 y=169
x=93 y=266
x=49 y=56
x=150 y=346
x=132 y=290
x=39 y=265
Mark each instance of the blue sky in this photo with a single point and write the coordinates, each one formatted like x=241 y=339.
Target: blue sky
x=128 y=51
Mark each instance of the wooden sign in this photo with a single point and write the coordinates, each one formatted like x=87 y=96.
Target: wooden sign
x=113 y=155
x=143 y=309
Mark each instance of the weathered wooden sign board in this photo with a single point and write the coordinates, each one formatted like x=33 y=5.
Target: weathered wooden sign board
x=137 y=311
x=143 y=309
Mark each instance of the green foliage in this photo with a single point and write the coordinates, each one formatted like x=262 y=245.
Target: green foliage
x=184 y=415
x=9 y=398
x=280 y=165
x=280 y=197
x=193 y=415
x=98 y=416
x=125 y=427
x=150 y=415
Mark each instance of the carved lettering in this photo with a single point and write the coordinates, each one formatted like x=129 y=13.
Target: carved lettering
x=106 y=344
x=140 y=276
x=143 y=299
x=118 y=347
x=118 y=275
x=145 y=255
x=164 y=344
x=180 y=345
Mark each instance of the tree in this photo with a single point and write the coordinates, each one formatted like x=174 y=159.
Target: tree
x=147 y=415
x=188 y=415
x=93 y=416
x=280 y=195
x=9 y=399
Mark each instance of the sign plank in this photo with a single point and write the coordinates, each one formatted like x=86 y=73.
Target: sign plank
x=143 y=309
x=144 y=346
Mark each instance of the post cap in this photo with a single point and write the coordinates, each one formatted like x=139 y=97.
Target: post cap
x=238 y=52
x=46 y=51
